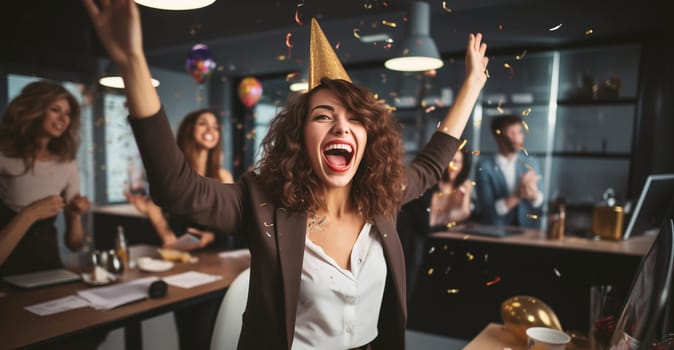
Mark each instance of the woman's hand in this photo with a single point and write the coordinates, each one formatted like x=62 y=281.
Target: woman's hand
x=78 y=205
x=476 y=61
x=206 y=237
x=45 y=207
x=117 y=23
x=141 y=202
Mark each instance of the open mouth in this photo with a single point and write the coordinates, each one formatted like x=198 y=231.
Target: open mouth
x=209 y=137
x=338 y=156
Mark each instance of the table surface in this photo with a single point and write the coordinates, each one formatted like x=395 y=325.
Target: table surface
x=638 y=245
x=19 y=327
x=496 y=337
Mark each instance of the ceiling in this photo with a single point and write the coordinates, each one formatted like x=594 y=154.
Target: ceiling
x=248 y=37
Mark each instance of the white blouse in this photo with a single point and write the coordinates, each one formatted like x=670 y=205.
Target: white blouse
x=338 y=308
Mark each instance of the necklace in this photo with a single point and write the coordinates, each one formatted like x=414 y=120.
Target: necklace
x=316 y=223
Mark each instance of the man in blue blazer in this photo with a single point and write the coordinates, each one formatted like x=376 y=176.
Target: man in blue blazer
x=507 y=183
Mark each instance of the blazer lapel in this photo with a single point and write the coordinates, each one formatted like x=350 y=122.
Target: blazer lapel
x=394 y=256
x=290 y=236
x=500 y=179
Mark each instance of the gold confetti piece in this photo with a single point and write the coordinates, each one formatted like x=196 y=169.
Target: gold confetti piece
x=526 y=126
x=532 y=216
x=337 y=45
x=288 y=37
x=486 y=72
x=355 y=33
x=525 y=112
x=525 y=151
x=466 y=237
x=555 y=27
x=476 y=152
x=452 y=291
x=498 y=131
x=527 y=165
x=486 y=257
x=445 y=247
x=387 y=23
x=589 y=32
x=367 y=6
x=451 y=224
x=452 y=166
x=519 y=57
x=281 y=58
x=429 y=109
x=557 y=272
x=470 y=256
x=263 y=204
x=473 y=183
x=445 y=7
x=292 y=75
x=494 y=281
x=463 y=144
x=430 y=271
x=297 y=15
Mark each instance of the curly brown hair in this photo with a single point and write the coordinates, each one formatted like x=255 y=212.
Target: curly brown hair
x=286 y=172
x=22 y=123
x=188 y=145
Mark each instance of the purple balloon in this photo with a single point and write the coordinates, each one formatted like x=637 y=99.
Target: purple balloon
x=200 y=63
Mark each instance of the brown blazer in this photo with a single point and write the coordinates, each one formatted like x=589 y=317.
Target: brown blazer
x=275 y=235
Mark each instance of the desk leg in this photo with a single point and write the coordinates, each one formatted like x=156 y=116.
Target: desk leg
x=132 y=336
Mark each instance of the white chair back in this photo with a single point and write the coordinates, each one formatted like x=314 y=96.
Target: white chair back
x=228 y=322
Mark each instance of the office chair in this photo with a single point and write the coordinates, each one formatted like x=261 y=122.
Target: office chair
x=227 y=326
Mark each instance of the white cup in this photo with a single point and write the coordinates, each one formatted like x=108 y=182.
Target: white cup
x=543 y=338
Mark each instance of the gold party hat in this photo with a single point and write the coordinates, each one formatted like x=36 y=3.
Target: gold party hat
x=323 y=61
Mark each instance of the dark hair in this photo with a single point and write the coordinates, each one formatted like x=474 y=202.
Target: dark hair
x=465 y=169
x=22 y=123
x=500 y=122
x=286 y=171
x=188 y=145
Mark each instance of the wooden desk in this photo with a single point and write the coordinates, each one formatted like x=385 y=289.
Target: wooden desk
x=463 y=278
x=496 y=337
x=19 y=328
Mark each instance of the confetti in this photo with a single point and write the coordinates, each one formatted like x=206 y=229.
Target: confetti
x=339 y=43
x=292 y=75
x=355 y=33
x=525 y=112
x=429 y=109
x=557 y=272
x=555 y=27
x=527 y=165
x=288 y=37
x=589 y=32
x=451 y=224
x=500 y=27
x=486 y=72
x=494 y=281
x=476 y=152
x=532 y=216
x=509 y=68
x=498 y=131
x=500 y=110
x=525 y=151
x=445 y=7
x=526 y=126
x=466 y=237
x=430 y=251
x=519 y=57
x=430 y=271
x=389 y=24
x=463 y=144
x=452 y=291
x=470 y=256
x=297 y=14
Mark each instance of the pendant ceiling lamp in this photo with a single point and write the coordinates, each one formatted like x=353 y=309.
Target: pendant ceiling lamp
x=175 y=5
x=112 y=78
x=416 y=51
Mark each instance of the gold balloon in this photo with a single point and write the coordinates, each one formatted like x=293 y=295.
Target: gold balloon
x=521 y=312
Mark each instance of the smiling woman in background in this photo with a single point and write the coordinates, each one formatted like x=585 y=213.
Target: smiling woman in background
x=39 y=136
x=199 y=140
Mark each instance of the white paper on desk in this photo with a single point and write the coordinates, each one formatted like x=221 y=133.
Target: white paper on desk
x=190 y=279
x=234 y=253
x=105 y=298
x=58 y=305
